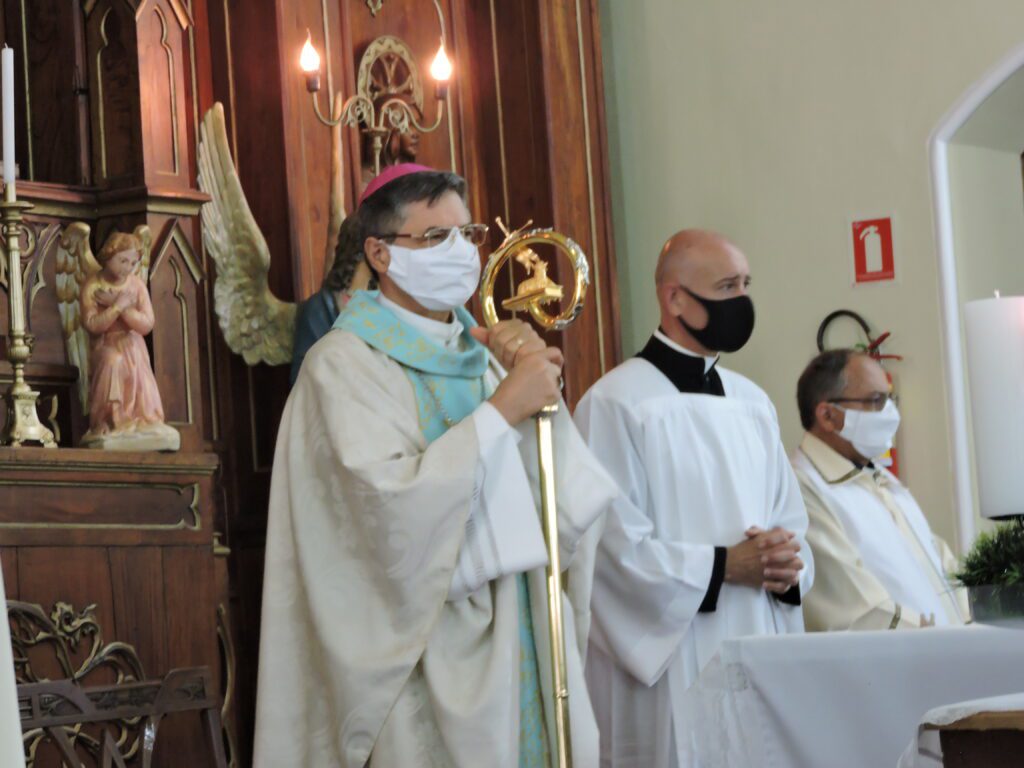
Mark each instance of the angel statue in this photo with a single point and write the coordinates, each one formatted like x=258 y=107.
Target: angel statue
x=106 y=313
x=256 y=324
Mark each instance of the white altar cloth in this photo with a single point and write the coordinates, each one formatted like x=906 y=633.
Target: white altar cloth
x=925 y=751
x=840 y=699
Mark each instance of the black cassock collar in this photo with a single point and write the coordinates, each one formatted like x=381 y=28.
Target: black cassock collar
x=686 y=372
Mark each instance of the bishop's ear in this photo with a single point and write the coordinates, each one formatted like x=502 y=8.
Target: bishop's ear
x=377 y=254
x=829 y=417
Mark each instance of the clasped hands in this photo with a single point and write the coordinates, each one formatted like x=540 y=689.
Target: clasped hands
x=765 y=560
x=534 y=369
x=120 y=300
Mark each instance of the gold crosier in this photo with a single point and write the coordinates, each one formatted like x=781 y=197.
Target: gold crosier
x=531 y=295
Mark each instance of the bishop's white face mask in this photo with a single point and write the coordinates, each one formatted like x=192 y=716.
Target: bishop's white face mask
x=441 y=277
x=871 y=432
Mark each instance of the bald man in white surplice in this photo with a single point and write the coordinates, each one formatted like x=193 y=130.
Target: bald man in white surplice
x=707 y=548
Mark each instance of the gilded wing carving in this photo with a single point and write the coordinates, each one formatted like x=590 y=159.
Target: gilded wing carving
x=75 y=265
x=256 y=324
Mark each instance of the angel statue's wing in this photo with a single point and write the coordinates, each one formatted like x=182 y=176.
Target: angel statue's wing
x=256 y=324
x=145 y=236
x=75 y=265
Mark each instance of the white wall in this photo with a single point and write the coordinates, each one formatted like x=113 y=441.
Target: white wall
x=987 y=194
x=775 y=123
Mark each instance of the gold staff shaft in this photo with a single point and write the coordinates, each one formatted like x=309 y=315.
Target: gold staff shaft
x=556 y=626
x=531 y=296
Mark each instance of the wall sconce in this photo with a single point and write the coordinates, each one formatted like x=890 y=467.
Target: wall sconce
x=394 y=114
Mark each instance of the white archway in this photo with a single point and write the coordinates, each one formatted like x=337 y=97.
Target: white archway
x=938 y=146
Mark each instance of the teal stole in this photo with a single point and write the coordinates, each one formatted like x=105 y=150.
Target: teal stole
x=449 y=386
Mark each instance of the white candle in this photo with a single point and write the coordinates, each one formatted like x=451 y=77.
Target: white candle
x=7 y=66
x=995 y=367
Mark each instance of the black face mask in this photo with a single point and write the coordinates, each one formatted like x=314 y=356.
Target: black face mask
x=730 y=322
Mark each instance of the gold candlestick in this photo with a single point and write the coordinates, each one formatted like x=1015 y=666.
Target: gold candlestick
x=23 y=425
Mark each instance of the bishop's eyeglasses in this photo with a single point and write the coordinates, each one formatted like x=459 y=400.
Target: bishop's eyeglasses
x=475 y=233
x=875 y=402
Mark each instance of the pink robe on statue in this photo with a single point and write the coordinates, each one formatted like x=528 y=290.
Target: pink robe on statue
x=122 y=389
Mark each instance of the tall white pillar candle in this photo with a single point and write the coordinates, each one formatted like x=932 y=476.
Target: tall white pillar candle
x=7 y=67
x=995 y=366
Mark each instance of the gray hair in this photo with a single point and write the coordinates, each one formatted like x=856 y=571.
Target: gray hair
x=823 y=379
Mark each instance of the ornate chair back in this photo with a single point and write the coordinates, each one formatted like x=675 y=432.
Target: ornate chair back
x=103 y=725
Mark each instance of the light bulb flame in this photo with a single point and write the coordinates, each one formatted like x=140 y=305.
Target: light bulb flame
x=441 y=67
x=309 y=59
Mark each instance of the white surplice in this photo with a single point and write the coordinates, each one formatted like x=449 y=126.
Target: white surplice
x=370 y=654
x=699 y=470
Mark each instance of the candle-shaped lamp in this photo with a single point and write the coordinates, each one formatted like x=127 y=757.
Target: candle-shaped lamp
x=309 y=61
x=995 y=367
x=441 y=71
x=7 y=102
x=22 y=426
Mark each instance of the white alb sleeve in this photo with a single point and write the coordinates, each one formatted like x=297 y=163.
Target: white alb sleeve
x=503 y=533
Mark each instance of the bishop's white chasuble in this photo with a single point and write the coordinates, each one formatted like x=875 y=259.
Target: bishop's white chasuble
x=699 y=470
x=377 y=646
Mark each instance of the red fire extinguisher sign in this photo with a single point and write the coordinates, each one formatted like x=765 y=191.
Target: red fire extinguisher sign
x=873 y=258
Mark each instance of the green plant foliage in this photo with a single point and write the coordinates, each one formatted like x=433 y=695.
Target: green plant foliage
x=997 y=558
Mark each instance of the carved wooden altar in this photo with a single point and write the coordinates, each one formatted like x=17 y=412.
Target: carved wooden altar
x=169 y=547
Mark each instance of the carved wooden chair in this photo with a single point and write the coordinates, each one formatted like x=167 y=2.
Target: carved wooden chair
x=103 y=725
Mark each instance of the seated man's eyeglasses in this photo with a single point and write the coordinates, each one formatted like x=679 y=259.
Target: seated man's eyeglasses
x=875 y=402
x=475 y=233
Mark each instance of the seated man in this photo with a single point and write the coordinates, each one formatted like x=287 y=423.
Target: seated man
x=878 y=565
